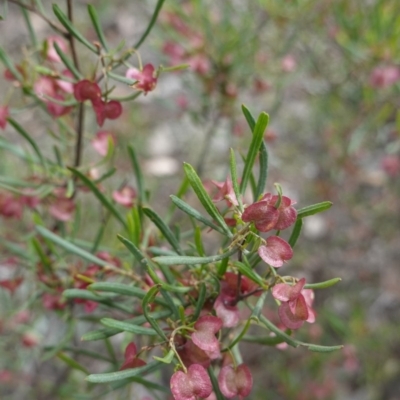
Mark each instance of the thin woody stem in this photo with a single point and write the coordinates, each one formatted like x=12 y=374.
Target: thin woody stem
x=34 y=10
x=81 y=109
x=70 y=37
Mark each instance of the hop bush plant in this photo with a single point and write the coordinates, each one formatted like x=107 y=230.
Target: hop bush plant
x=181 y=301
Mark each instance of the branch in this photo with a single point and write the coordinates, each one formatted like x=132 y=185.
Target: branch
x=34 y=10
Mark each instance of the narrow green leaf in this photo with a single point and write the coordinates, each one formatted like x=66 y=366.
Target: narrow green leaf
x=255 y=144
x=215 y=384
x=205 y=199
x=127 y=327
x=128 y=373
x=222 y=267
x=88 y=295
x=72 y=363
x=198 y=242
x=284 y=336
x=239 y=337
x=28 y=138
x=295 y=233
x=171 y=304
x=78 y=350
x=148 y=299
x=164 y=285
x=181 y=191
x=45 y=261
x=167 y=359
x=120 y=78
x=67 y=62
x=71 y=28
x=122 y=289
x=259 y=307
x=249 y=118
x=249 y=273
x=323 y=285
x=70 y=247
x=106 y=175
x=188 y=260
x=104 y=333
x=186 y=208
x=100 y=196
x=151 y=23
x=263 y=340
x=140 y=257
x=200 y=301
x=262 y=179
x=10 y=65
x=314 y=209
x=138 y=174
x=31 y=31
x=235 y=183
x=165 y=230
x=159 y=251
x=97 y=26
x=85 y=295
x=278 y=188
x=134 y=226
x=17 y=250
x=321 y=349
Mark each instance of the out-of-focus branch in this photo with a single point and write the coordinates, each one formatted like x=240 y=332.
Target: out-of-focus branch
x=81 y=109
x=34 y=10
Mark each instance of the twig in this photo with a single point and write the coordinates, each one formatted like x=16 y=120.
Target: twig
x=81 y=109
x=34 y=10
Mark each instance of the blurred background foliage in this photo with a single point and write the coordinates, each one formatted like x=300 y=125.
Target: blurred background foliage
x=328 y=73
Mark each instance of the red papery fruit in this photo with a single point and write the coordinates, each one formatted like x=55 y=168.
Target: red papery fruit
x=146 y=78
x=266 y=216
x=52 y=54
x=235 y=381
x=384 y=76
x=175 y=51
x=225 y=192
x=109 y=110
x=276 y=252
x=11 y=284
x=46 y=89
x=289 y=63
x=227 y=313
x=287 y=213
x=229 y=286
x=131 y=360
x=101 y=142
x=56 y=109
x=30 y=340
x=9 y=76
x=29 y=200
x=200 y=63
x=62 y=209
x=43 y=87
x=4 y=114
x=190 y=386
x=125 y=196
x=87 y=90
x=106 y=256
x=54 y=301
x=191 y=354
x=204 y=336
x=63 y=85
x=391 y=165
x=295 y=305
x=10 y=206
